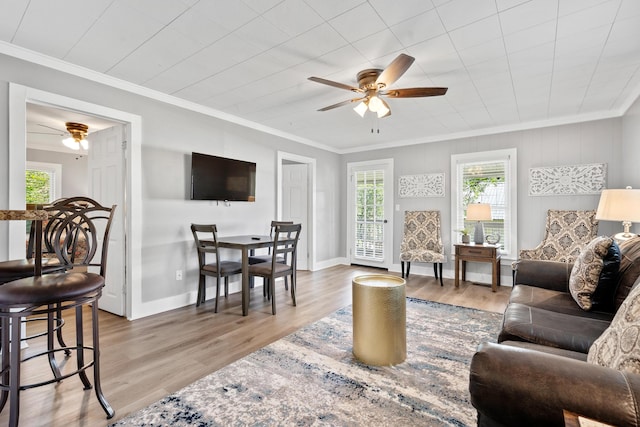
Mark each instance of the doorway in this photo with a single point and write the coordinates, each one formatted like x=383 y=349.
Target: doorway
x=370 y=213
x=19 y=96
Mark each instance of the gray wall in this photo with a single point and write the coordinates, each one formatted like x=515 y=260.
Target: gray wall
x=590 y=142
x=74 y=170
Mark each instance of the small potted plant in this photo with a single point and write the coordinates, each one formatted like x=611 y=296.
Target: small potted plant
x=465 y=235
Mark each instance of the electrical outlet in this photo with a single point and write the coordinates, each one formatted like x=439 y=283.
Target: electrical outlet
x=178 y=274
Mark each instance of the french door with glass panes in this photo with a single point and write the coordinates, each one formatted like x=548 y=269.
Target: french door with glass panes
x=370 y=211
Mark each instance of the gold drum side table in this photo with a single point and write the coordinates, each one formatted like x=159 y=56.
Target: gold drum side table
x=379 y=319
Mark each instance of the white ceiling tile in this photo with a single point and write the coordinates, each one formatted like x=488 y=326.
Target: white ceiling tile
x=164 y=50
x=358 y=23
x=476 y=33
x=484 y=52
x=10 y=18
x=161 y=11
x=230 y=15
x=293 y=17
x=314 y=43
x=418 y=29
x=629 y=9
x=530 y=37
x=392 y=14
x=587 y=19
x=378 y=44
x=329 y=9
x=261 y=6
x=568 y=7
x=47 y=19
x=624 y=39
x=508 y=4
x=199 y=28
x=458 y=13
x=528 y=15
x=436 y=56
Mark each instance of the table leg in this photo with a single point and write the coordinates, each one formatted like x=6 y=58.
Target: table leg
x=457 y=275
x=495 y=282
x=245 y=281
x=464 y=270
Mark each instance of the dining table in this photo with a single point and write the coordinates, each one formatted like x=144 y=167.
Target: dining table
x=246 y=244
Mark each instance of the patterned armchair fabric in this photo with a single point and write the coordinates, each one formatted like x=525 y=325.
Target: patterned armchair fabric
x=567 y=232
x=422 y=241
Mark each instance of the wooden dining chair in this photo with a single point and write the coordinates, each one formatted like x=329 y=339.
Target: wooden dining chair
x=257 y=259
x=206 y=238
x=285 y=243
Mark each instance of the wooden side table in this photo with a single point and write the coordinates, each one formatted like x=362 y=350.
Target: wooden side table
x=478 y=253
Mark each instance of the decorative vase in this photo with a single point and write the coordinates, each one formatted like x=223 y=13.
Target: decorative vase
x=465 y=238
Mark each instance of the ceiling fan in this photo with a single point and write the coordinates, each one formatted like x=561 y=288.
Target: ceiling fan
x=77 y=132
x=373 y=83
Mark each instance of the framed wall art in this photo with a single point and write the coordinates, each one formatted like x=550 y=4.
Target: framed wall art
x=568 y=180
x=424 y=185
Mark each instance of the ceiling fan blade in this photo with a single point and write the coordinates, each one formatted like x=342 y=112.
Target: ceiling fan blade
x=415 y=92
x=340 y=104
x=395 y=70
x=334 y=84
x=62 y=132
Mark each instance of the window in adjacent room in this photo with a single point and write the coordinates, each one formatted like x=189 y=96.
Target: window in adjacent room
x=486 y=177
x=43 y=182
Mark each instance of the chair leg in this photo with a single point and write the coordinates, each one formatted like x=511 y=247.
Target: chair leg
x=14 y=372
x=67 y=352
x=201 y=290
x=293 y=288
x=435 y=269
x=440 y=268
x=286 y=283
x=96 y=363
x=408 y=268
x=79 y=348
x=215 y=307
x=272 y=283
x=402 y=268
x=51 y=356
x=4 y=331
x=226 y=287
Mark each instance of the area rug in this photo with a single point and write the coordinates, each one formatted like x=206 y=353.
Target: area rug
x=310 y=378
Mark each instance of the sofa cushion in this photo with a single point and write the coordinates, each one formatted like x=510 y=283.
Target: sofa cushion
x=552 y=300
x=619 y=346
x=539 y=326
x=586 y=271
x=603 y=296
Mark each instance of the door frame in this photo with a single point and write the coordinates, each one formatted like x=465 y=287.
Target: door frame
x=19 y=96
x=388 y=200
x=283 y=157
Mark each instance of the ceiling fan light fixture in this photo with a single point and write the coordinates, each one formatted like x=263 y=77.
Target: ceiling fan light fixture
x=375 y=104
x=361 y=108
x=71 y=143
x=78 y=133
x=383 y=111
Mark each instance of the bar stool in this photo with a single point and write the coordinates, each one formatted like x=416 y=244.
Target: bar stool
x=50 y=293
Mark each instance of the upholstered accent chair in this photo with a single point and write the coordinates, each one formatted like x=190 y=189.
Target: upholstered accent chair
x=567 y=232
x=422 y=241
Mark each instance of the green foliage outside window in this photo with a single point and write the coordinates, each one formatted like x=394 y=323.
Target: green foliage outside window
x=38 y=186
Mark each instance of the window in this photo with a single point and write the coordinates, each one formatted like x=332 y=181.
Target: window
x=369 y=225
x=486 y=177
x=43 y=182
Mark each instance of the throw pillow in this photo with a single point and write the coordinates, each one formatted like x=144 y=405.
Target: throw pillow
x=619 y=345
x=604 y=295
x=586 y=270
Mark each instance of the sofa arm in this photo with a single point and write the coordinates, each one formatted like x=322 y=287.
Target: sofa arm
x=543 y=274
x=512 y=386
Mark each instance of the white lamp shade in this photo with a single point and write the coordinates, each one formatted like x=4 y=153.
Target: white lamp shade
x=479 y=212
x=619 y=205
x=361 y=109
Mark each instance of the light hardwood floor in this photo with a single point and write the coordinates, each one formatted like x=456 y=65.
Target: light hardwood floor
x=144 y=360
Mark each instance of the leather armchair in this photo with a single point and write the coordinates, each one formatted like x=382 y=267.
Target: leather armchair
x=515 y=386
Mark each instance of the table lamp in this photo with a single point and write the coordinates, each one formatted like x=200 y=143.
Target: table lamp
x=478 y=212
x=620 y=205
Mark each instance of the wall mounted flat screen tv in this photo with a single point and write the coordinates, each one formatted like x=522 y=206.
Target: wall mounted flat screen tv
x=219 y=178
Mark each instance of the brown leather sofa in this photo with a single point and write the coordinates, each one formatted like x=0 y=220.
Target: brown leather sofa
x=539 y=366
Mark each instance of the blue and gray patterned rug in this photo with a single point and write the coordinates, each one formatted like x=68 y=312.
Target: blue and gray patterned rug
x=310 y=378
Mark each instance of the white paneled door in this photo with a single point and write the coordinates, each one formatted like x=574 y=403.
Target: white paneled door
x=370 y=210
x=295 y=208
x=106 y=175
